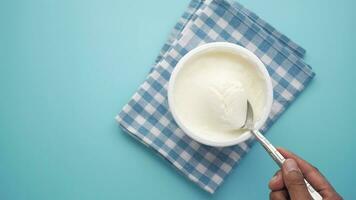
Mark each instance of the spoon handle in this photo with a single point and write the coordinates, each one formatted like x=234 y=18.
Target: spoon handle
x=279 y=159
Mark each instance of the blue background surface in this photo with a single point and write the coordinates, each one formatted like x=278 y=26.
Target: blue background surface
x=67 y=67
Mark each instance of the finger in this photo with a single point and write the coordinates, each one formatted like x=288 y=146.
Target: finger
x=276 y=183
x=279 y=195
x=294 y=180
x=312 y=174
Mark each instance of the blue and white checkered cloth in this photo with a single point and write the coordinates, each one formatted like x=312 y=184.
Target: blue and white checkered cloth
x=147 y=116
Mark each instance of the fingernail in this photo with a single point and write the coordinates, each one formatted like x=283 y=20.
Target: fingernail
x=290 y=165
x=274 y=178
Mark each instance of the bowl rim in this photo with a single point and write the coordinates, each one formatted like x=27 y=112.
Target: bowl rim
x=239 y=50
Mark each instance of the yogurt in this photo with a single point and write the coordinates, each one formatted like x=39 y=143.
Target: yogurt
x=210 y=94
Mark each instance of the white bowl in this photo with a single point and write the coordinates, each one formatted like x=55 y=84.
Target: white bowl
x=241 y=51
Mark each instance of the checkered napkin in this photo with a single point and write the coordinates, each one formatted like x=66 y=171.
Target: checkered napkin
x=147 y=117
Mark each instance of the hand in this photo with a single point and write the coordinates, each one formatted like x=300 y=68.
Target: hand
x=288 y=183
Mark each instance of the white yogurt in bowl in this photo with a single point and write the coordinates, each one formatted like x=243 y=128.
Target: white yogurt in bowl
x=208 y=92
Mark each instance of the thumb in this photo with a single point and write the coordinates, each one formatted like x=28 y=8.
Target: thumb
x=294 y=181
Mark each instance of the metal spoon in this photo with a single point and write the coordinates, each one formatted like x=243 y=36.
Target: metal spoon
x=272 y=151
